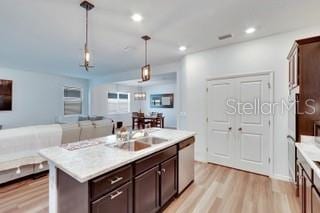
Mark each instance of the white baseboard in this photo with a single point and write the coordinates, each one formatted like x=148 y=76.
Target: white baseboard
x=201 y=157
x=281 y=177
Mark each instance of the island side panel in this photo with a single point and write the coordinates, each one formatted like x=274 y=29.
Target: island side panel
x=73 y=196
x=53 y=192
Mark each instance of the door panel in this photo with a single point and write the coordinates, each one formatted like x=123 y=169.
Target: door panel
x=147 y=191
x=250 y=92
x=249 y=142
x=239 y=139
x=169 y=186
x=220 y=149
x=252 y=124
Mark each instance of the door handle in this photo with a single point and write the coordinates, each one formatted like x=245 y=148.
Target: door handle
x=240 y=129
x=116 y=180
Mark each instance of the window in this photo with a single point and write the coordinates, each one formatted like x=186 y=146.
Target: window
x=118 y=102
x=72 y=101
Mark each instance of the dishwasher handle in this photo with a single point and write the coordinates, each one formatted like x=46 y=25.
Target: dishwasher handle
x=186 y=143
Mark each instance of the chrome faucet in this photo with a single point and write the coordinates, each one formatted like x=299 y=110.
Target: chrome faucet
x=138 y=134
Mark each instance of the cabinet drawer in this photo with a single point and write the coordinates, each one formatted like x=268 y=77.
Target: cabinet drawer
x=110 y=181
x=304 y=165
x=316 y=182
x=154 y=159
x=119 y=200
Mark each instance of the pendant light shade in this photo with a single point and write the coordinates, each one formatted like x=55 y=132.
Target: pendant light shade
x=146 y=72
x=140 y=96
x=146 y=69
x=86 y=63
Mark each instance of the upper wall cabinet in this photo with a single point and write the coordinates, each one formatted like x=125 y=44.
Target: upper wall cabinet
x=304 y=80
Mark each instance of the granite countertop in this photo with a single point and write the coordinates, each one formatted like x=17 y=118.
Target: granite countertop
x=87 y=163
x=309 y=148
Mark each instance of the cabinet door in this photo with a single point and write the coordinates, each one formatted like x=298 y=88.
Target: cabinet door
x=315 y=201
x=307 y=194
x=146 y=199
x=169 y=186
x=119 y=200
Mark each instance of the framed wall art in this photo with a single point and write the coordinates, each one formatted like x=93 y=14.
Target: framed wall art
x=5 y=95
x=162 y=101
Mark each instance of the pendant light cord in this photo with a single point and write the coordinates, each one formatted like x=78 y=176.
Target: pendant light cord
x=87 y=17
x=146 y=51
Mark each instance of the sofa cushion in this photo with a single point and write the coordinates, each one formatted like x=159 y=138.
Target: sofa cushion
x=70 y=133
x=102 y=128
x=87 y=130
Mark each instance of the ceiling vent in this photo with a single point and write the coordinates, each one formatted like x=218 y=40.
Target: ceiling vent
x=223 y=37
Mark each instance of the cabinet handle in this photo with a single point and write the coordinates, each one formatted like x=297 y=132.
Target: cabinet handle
x=230 y=128
x=240 y=129
x=159 y=172
x=116 y=180
x=163 y=170
x=113 y=196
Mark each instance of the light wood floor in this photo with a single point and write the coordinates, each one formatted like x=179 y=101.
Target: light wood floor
x=219 y=189
x=216 y=189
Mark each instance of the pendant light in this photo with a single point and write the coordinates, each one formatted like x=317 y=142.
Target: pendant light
x=140 y=95
x=146 y=69
x=86 y=64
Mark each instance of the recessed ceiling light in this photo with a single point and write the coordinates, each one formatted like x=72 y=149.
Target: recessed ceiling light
x=182 y=48
x=250 y=30
x=136 y=17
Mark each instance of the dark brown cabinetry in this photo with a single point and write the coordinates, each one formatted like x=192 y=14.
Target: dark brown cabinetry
x=119 y=200
x=110 y=181
x=142 y=186
x=304 y=74
x=146 y=185
x=169 y=186
x=156 y=186
x=146 y=195
x=308 y=184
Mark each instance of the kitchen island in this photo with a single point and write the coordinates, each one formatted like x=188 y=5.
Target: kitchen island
x=103 y=177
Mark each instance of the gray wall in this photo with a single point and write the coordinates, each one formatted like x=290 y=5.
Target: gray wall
x=38 y=97
x=169 y=113
x=99 y=102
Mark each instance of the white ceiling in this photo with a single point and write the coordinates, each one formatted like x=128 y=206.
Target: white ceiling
x=168 y=78
x=48 y=35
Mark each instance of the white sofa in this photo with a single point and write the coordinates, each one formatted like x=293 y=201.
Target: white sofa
x=19 y=147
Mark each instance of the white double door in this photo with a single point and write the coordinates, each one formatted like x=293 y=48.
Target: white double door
x=238 y=130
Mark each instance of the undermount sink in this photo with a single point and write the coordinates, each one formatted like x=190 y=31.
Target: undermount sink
x=138 y=144
x=132 y=146
x=152 y=140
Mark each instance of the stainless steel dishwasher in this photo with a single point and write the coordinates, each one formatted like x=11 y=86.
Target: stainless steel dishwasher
x=186 y=164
